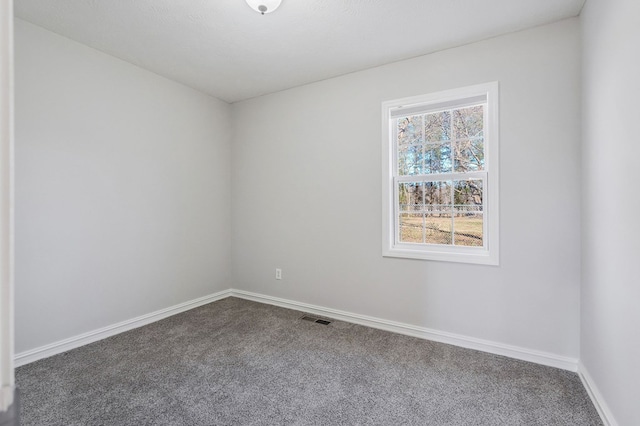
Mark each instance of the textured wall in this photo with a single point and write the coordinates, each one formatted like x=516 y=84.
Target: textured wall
x=610 y=343
x=122 y=190
x=306 y=190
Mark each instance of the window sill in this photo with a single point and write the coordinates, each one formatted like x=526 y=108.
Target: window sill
x=473 y=256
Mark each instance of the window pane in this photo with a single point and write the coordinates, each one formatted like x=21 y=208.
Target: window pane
x=468 y=155
x=438 y=228
x=468 y=229
x=437 y=195
x=410 y=160
x=410 y=200
x=441 y=212
x=411 y=228
x=468 y=212
x=468 y=122
x=468 y=193
x=410 y=197
x=410 y=130
x=437 y=158
x=438 y=126
x=438 y=207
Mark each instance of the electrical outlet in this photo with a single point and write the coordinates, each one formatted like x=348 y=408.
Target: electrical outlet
x=278 y=274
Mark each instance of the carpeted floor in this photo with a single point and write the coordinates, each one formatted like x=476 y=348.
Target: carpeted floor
x=235 y=362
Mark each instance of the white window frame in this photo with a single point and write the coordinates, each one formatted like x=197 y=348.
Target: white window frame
x=488 y=254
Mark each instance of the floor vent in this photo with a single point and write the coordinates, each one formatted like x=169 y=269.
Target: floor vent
x=316 y=320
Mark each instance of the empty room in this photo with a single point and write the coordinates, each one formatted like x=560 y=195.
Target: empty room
x=313 y=212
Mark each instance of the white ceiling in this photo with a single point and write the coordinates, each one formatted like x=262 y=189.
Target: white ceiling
x=224 y=48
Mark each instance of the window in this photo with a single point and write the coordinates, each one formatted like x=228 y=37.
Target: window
x=440 y=176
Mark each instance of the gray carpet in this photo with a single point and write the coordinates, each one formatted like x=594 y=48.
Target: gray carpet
x=235 y=362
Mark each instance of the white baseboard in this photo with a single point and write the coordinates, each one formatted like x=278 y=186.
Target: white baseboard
x=55 y=348
x=538 y=357
x=516 y=352
x=596 y=396
x=6 y=397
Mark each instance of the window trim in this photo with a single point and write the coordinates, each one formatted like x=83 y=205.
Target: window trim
x=489 y=253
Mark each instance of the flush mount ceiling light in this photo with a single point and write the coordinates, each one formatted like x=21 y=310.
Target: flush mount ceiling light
x=264 y=6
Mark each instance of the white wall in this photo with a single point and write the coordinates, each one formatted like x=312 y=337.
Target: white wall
x=610 y=340
x=306 y=194
x=6 y=207
x=122 y=190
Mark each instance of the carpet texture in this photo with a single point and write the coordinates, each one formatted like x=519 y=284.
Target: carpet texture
x=236 y=362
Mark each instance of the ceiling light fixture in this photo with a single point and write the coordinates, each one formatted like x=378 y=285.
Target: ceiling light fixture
x=264 y=6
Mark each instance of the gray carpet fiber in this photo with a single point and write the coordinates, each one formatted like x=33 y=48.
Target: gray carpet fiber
x=236 y=362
